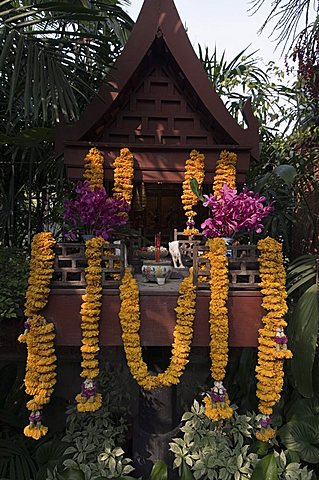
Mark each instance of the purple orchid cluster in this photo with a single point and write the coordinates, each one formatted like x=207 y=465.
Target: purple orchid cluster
x=94 y=212
x=233 y=211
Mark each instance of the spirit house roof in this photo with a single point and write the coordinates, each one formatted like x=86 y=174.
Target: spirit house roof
x=159 y=103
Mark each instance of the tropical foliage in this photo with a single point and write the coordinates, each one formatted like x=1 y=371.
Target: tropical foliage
x=54 y=56
x=13 y=281
x=207 y=451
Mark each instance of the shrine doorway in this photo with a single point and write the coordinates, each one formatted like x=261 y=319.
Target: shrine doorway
x=157 y=207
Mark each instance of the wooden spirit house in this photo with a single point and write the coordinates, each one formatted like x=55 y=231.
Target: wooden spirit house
x=160 y=104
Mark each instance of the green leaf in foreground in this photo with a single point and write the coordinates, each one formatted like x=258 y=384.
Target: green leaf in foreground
x=302 y=437
x=159 y=471
x=266 y=469
x=304 y=339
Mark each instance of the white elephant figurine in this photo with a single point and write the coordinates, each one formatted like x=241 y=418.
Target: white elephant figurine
x=175 y=254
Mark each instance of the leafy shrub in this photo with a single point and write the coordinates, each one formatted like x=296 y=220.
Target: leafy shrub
x=13 y=281
x=222 y=451
x=94 y=440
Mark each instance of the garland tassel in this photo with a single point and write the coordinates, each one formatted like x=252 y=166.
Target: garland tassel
x=183 y=333
x=272 y=348
x=217 y=405
x=89 y=400
x=39 y=335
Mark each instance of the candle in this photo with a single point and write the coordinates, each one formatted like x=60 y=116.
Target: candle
x=157 y=247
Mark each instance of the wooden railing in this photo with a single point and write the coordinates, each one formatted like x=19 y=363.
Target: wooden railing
x=243 y=267
x=187 y=243
x=70 y=264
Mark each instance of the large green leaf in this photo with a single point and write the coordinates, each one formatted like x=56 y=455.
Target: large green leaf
x=266 y=469
x=186 y=473
x=159 y=471
x=15 y=459
x=302 y=260
x=307 y=276
x=302 y=437
x=303 y=409
x=304 y=339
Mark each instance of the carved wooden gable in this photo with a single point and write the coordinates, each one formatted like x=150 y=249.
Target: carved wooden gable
x=161 y=105
x=157 y=112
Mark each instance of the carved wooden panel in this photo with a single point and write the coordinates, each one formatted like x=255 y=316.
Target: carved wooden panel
x=158 y=113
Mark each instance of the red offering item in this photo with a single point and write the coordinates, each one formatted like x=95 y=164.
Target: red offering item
x=157 y=247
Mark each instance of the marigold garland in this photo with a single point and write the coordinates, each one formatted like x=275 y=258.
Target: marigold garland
x=225 y=172
x=272 y=349
x=89 y=400
x=39 y=335
x=93 y=168
x=217 y=405
x=194 y=168
x=123 y=175
x=183 y=333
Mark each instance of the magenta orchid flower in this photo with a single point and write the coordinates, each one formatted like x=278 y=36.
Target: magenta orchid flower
x=94 y=211
x=233 y=212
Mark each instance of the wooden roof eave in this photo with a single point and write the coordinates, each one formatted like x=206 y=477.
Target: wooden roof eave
x=160 y=15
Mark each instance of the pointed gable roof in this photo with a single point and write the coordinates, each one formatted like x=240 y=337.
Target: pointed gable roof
x=159 y=43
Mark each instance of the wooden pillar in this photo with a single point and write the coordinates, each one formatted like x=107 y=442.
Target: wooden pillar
x=157 y=421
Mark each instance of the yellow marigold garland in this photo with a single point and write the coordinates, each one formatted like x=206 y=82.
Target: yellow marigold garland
x=89 y=400
x=123 y=175
x=194 y=168
x=183 y=333
x=39 y=335
x=93 y=168
x=225 y=172
x=272 y=349
x=217 y=405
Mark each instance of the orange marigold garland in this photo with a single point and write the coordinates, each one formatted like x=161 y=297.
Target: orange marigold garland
x=39 y=335
x=93 y=168
x=123 y=175
x=225 y=172
x=272 y=349
x=183 y=333
x=194 y=168
x=217 y=406
x=89 y=400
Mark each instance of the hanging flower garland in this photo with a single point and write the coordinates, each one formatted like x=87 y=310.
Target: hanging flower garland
x=93 y=168
x=39 y=335
x=123 y=175
x=217 y=406
x=183 y=333
x=89 y=400
x=272 y=349
x=194 y=168
x=225 y=172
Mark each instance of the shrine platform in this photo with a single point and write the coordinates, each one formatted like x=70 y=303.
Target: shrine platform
x=157 y=304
